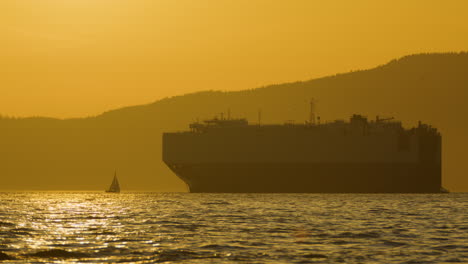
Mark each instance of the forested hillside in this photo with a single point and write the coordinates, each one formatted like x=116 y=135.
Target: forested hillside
x=81 y=154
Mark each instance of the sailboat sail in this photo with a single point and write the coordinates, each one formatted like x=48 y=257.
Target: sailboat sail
x=114 y=187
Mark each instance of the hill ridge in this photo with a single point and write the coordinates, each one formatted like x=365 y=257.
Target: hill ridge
x=36 y=153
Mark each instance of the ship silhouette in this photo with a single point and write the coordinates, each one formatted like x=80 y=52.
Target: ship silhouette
x=359 y=156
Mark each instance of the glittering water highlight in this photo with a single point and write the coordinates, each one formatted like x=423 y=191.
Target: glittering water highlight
x=86 y=227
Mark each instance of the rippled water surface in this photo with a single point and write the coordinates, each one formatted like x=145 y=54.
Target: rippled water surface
x=87 y=227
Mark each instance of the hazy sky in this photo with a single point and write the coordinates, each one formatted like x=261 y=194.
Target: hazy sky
x=67 y=58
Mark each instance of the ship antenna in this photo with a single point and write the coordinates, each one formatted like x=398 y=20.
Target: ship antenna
x=312 y=112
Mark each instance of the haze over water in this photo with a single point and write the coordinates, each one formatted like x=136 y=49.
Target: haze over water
x=95 y=227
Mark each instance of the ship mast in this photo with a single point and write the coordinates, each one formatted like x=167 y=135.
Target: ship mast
x=259 y=117
x=312 y=112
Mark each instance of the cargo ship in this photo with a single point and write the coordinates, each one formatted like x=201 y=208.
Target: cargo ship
x=356 y=156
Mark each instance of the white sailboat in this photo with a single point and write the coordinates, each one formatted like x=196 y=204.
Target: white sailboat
x=114 y=187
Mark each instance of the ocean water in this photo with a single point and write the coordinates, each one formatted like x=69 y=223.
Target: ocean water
x=86 y=227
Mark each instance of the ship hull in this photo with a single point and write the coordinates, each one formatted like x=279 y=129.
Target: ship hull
x=310 y=177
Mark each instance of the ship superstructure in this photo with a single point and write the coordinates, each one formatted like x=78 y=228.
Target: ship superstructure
x=231 y=155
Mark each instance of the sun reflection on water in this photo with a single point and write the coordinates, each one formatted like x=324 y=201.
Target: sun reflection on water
x=149 y=228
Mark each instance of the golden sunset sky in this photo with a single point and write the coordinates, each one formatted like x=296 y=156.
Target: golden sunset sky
x=72 y=58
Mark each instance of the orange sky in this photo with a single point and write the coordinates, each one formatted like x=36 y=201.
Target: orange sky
x=69 y=58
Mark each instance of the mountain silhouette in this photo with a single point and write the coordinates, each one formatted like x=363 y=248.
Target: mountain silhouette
x=83 y=153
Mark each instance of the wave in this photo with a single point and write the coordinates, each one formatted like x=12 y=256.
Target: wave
x=75 y=245
x=222 y=247
x=253 y=244
x=449 y=247
x=228 y=215
x=20 y=233
x=342 y=242
x=112 y=251
x=371 y=234
x=221 y=202
x=4 y=256
x=315 y=256
x=57 y=253
x=104 y=233
x=160 y=222
x=393 y=243
x=181 y=255
x=14 y=233
x=6 y=224
x=129 y=240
